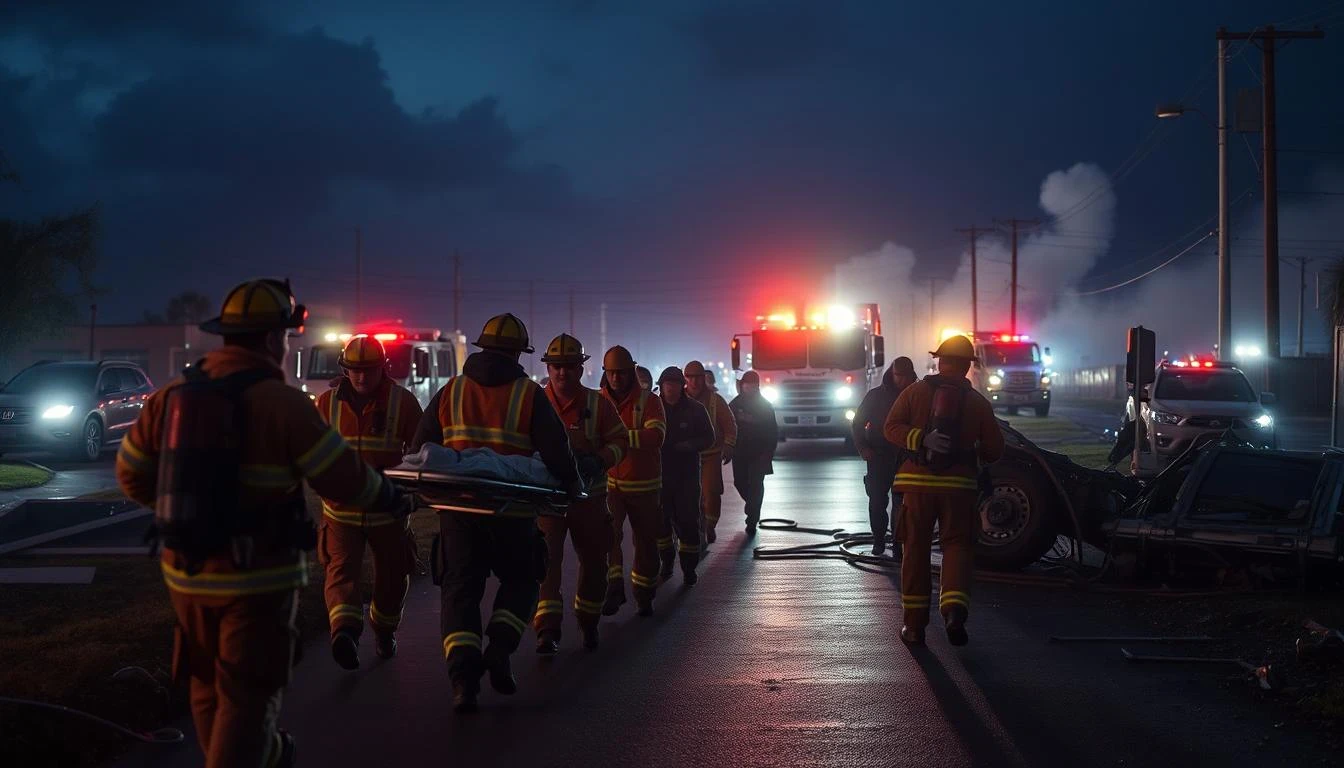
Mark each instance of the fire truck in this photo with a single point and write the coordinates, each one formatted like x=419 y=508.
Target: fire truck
x=420 y=359
x=1010 y=370
x=817 y=370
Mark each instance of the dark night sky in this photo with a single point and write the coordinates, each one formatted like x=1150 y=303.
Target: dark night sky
x=687 y=163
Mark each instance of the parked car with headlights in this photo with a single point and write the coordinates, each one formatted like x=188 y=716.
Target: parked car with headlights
x=74 y=408
x=1190 y=398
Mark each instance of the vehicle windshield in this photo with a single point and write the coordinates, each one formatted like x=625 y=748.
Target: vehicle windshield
x=45 y=378
x=993 y=355
x=1225 y=386
x=778 y=350
x=322 y=363
x=399 y=360
x=842 y=350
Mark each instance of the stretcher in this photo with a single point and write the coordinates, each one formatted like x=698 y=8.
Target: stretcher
x=449 y=492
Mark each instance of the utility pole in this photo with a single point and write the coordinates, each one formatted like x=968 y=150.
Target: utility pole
x=457 y=292
x=359 y=276
x=975 y=233
x=93 y=321
x=603 y=326
x=1224 y=239
x=1014 y=223
x=1301 y=300
x=1265 y=40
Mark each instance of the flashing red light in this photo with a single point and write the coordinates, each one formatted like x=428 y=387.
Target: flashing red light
x=389 y=336
x=849 y=379
x=1208 y=364
x=767 y=379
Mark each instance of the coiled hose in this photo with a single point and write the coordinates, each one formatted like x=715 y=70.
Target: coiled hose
x=158 y=736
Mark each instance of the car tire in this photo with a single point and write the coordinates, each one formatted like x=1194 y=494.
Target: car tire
x=1043 y=410
x=1021 y=526
x=91 y=438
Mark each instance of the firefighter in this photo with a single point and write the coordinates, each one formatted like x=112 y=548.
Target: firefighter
x=598 y=438
x=378 y=417
x=757 y=438
x=645 y=378
x=699 y=387
x=634 y=484
x=494 y=405
x=235 y=607
x=689 y=434
x=948 y=428
x=881 y=456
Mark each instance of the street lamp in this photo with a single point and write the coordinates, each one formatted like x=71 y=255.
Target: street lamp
x=1167 y=111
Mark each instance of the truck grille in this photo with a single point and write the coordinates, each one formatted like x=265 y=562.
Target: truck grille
x=1020 y=381
x=1215 y=422
x=800 y=394
x=13 y=417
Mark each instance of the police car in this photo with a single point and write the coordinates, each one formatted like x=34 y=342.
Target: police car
x=1198 y=396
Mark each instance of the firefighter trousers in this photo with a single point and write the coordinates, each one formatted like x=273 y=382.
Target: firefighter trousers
x=749 y=480
x=711 y=490
x=471 y=547
x=877 y=483
x=682 y=518
x=237 y=652
x=588 y=524
x=340 y=547
x=643 y=511
x=957 y=519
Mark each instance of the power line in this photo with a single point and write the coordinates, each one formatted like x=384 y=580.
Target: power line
x=1133 y=280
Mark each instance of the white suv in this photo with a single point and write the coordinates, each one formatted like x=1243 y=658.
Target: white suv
x=1197 y=397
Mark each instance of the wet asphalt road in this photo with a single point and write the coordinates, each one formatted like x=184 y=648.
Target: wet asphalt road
x=790 y=663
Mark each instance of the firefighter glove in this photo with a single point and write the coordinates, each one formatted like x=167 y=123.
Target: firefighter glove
x=938 y=442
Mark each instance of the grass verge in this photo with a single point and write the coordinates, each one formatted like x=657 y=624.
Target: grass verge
x=14 y=475
x=63 y=643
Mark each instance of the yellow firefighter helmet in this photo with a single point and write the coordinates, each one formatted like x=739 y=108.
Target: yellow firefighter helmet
x=258 y=306
x=363 y=352
x=564 y=350
x=618 y=358
x=956 y=347
x=505 y=333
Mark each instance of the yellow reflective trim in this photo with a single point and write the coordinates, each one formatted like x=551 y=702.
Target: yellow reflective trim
x=364 y=519
x=515 y=413
x=458 y=383
x=615 y=573
x=491 y=436
x=634 y=486
x=633 y=437
x=135 y=460
x=461 y=640
x=268 y=476
x=689 y=549
x=254 y=582
x=657 y=424
x=345 y=611
x=386 y=620
x=586 y=606
x=508 y=619
x=665 y=542
x=323 y=454
x=937 y=481
x=642 y=581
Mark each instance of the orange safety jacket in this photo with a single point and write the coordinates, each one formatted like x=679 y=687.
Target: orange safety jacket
x=499 y=418
x=909 y=419
x=725 y=425
x=379 y=434
x=593 y=426
x=285 y=442
x=642 y=469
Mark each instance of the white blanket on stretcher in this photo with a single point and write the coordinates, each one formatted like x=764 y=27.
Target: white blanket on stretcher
x=480 y=462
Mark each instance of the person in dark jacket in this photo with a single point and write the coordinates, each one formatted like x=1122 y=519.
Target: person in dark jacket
x=883 y=458
x=757 y=437
x=494 y=405
x=689 y=432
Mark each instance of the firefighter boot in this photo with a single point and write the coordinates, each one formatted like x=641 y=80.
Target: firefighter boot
x=287 y=750
x=385 y=645
x=879 y=544
x=667 y=552
x=345 y=649
x=912 y=635
x=590 y=639
x=548 y=644
x=955 y=622
x=464 y=695
x=688 y=564
x=615 y=598
x=501 y=672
